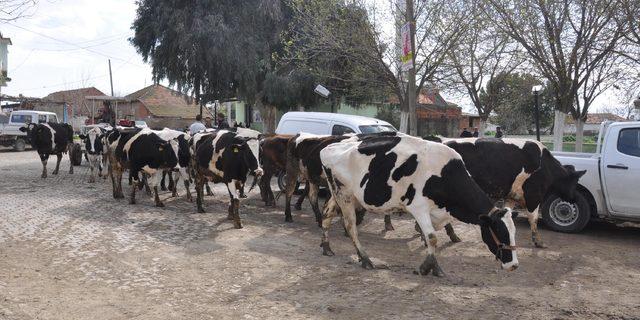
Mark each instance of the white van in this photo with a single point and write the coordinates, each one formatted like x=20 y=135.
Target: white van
x=325 y=123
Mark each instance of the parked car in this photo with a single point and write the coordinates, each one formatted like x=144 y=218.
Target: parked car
x=10 y=134
x=325 y=123
x=609 y=189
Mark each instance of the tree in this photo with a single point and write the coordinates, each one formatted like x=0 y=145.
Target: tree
x=482 y=53
x=347 y=35
x=218 y=49
x=510 y=95
x=570 y=43
x=14 y=9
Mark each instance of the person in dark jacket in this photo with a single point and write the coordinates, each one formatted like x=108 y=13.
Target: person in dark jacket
x=475 y=132
x=499 y=133
x=222 y=123
x=465 y=133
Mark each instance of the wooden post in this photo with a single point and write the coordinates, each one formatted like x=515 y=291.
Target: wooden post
x=411 y=85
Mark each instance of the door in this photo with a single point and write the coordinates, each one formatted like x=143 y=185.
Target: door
x=621 y=170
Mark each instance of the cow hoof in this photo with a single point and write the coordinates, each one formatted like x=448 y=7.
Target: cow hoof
x=388 y=227
x=366 y=263
x=160 y=205
x=71 y=172
x=298 y=207
x=437 y=272
x=92 y=180
x=288 y=219
x=454 y=238
x=230 y=217
x=326 y=249
x=237 y=225
x=243 y=196
x=200 y=210
x=132 y=202
x=539 y=244
x=163 y=188
x=209 y=193
x=44 y=176
x=54 y=173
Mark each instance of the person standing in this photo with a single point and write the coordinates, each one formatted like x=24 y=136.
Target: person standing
x=465 y=133
x=197 y=126
x=475 y=132
x=222 y=123
x=208 y=122
x=499 y=133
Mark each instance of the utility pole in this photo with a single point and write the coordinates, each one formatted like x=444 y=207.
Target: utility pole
x=411 y=73
x=110 y=77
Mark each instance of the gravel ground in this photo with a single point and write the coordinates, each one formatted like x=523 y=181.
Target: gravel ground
x=70 y=251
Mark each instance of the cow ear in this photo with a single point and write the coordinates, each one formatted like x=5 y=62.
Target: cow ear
x=514 y=214
x=500 y=213
x=578 y=174
x=82 y=136
x=23 y=129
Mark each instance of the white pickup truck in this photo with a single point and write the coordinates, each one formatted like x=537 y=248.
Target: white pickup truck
x=10 y=134
x=610 y=188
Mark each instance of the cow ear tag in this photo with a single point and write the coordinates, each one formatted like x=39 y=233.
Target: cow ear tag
x=235 y=150
x=160 y=148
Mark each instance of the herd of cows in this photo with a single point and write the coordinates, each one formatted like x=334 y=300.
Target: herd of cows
x=383 y=173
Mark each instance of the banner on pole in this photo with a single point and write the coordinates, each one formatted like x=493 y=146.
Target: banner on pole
x=407 y=48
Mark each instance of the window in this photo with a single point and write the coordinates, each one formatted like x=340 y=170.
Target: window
x=21 y=118
x=339 y=130
x=53 y=118
x=377 y=128
x=42 y=118
x=629 y=142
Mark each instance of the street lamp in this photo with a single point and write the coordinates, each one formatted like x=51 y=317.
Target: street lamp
x=536 y=91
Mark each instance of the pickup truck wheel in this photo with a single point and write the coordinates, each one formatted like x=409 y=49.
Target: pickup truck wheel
x=19 y=145
x=563 y=216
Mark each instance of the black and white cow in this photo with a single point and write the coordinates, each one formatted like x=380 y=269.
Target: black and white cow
x=94 y=148
x=183 y=155
x=147 y=152
x=48 y=139
x=387 y=174
x=303 y=162
x=519 y=171
x=224 y=156
x=115 y=141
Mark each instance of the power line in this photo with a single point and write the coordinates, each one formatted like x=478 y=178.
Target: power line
x=73 y=44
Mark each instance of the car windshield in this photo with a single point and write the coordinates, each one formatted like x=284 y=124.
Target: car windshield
x=377 y=128
x=21 y=118
x=141 y=123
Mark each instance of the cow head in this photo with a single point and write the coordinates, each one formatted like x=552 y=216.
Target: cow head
x=565 y=185
x=244 y=147
x=499 y=234
x=92 y=141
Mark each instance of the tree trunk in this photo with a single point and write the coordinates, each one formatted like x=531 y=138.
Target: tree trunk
x=579 y=134
x=558 y=130
x=404 y=121
x=482 y=127
x=268 y=114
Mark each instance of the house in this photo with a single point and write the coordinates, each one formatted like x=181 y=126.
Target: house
x=71 y=106
x=4 y=53
x=436 y=115
x=592 y=125
x=472 y=120
x=161 y=107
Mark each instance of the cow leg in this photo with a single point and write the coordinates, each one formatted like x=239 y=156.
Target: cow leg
x=44 y=158
x=70 y=147
x=234 y=204
x=451 y=233
x=313 y=198
x=240 y=188
x=199 y=193
x=135 y=180
x=92 y=163
x=174 y=183
x=209 y=192
x=291 y=182
x=533 y=224
x=430 y=263
x=305 y=193
x=155 y=179
x=99 y=162
x=330 y=211
x=147 y=188
x=265 y=190
x=349 y=220
x=58 y=160
x=387 y=223
x=162 y=184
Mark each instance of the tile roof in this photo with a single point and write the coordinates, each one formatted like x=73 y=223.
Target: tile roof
x=166 y=103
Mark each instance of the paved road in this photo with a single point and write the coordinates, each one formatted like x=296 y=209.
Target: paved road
x=70 y=251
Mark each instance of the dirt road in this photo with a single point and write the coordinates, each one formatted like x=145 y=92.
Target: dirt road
x=70 y=251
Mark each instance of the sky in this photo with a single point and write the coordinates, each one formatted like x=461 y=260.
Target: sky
x=65 y=44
